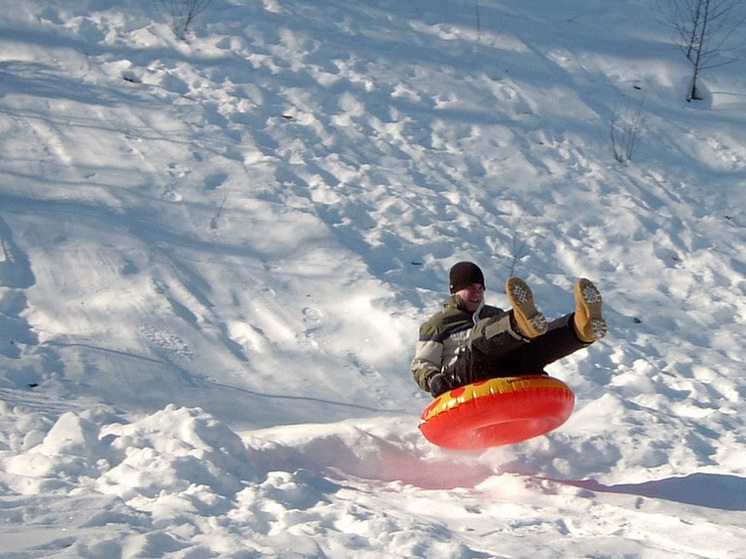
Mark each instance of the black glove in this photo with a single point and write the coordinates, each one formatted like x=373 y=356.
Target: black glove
x=439 y=383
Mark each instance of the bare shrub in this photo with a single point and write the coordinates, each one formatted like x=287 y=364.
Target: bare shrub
x=627 y=129
x=182 y=13
x=708 y=33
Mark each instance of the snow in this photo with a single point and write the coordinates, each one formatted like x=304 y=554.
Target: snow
x=216 y=253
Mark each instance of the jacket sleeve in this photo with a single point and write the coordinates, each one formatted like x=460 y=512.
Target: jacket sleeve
x=427 y=358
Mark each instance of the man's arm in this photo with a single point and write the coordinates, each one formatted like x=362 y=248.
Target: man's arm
x=427 y=361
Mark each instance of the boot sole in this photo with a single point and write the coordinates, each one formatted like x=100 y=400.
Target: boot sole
x=588 y=295
x=531 y=322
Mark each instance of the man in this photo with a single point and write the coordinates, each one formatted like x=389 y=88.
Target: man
x=468 y=341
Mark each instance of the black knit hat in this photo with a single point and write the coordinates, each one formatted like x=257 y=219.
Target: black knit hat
x=464 y=274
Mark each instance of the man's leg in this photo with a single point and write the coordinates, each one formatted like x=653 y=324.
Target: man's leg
x=560 y=340
x=493 y=338
x=490 y=340
x=563 y=337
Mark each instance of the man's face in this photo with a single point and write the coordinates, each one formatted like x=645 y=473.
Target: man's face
x=471 y=295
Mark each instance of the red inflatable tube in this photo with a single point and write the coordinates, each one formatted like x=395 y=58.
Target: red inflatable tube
x=497 y=412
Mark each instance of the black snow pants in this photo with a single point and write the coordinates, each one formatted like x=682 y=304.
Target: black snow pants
x=495 y=350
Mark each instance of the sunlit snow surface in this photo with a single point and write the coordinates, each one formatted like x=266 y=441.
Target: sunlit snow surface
x=216 y=253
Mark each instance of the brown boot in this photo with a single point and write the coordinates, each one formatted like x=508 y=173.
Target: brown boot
x=530 y=322
x=589 y=321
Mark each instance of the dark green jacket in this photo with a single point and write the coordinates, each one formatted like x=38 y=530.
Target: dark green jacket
x=443 y=337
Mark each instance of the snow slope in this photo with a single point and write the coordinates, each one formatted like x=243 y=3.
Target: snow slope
x=216 y=253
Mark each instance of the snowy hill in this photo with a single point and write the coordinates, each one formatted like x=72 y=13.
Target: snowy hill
x=217 y=250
